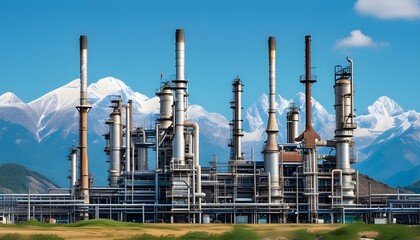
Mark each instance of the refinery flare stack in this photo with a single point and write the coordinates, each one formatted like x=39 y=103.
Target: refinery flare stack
x=155 y=173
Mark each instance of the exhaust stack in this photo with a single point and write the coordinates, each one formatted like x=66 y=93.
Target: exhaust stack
x=309 y=135
x=180 y=99
x=83 y=108
x=271 y=150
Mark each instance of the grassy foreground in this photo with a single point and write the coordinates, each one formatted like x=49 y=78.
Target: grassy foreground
x=108 y=229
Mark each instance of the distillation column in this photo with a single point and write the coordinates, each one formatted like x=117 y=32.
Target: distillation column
x=271 y=150
x=115 y=140
x=73 y=168
x=237 y=134
x=344 y=112
x=83 y=108
x=128 y=122
x=292 y=119
x=163 y=147
x=166 y=101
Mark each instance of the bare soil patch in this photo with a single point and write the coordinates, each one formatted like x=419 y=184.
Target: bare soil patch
x=113 y=232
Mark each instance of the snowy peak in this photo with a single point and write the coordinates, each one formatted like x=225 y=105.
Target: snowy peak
x=382 y=115
x=197 y=112
x=407 y=123
x=57 y=99
x=385 y=107
x=212 y=125
x=112 y=86
x=299 y=98
x=10 y=99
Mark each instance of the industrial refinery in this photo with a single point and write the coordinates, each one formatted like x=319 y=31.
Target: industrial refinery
x=293 y=183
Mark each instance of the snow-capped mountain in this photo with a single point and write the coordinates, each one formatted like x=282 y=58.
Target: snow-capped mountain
x=396 y=145
x=13 y=109
x=38 y=134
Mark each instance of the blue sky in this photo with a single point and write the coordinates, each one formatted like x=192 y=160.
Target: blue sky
x=134 y=41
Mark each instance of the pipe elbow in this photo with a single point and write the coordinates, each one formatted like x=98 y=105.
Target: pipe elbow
x=191 y=124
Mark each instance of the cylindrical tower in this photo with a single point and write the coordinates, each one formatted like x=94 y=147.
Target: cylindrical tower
x=83 y=110
x=237 y=134
x=141 y=145
x=180 y=99
x=292 y=118
x=114 y=148
x=166 y=101
x=271 y=151
x=344 y=113
x=128 y=136
x=73 y=167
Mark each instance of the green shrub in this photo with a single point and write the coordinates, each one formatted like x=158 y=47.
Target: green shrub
x=303 y=234
x=239 y=233
x=198 y=235
x=46 y=237
x=101 y=222
x=146 y=236
x=11 y=236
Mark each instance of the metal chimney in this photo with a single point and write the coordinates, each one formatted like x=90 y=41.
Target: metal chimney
x=83 y=108
x=309 y=135
x=180 y=97
x=271 y=151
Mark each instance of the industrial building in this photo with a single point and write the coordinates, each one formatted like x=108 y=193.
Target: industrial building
x=293 y=183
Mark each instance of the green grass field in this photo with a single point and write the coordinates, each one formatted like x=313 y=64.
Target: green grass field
x=108 y=229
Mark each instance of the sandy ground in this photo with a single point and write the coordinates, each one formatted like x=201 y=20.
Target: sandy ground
x=158 y=230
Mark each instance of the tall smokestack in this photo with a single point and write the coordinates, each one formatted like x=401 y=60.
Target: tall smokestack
x=83 y=70
x=180 y=95
x=271 y=152
x=83 y=110
x=309 y=135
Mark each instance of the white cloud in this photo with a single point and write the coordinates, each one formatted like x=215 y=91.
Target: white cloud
x=389 y=9
x=357 y=40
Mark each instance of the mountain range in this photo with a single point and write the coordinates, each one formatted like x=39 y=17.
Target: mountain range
x=39 y=134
